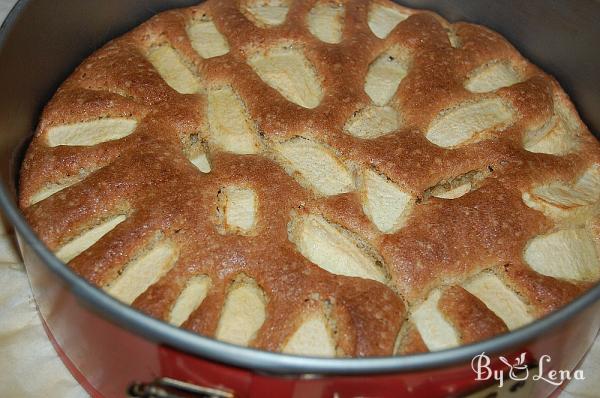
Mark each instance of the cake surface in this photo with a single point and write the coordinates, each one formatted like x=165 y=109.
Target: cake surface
x=328 y=178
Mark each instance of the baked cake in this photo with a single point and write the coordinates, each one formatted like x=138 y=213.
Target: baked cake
x=329 y=178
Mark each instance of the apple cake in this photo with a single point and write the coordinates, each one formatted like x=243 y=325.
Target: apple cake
x=326 y=178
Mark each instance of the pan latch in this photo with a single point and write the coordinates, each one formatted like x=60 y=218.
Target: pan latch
x=166 y=387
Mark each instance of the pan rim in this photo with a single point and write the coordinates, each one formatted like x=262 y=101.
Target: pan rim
x=253 y=359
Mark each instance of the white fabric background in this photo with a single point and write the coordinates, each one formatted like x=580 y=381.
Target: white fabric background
x=29 y=366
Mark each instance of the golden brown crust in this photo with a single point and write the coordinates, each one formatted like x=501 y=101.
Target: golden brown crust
x=411 y=341
x=147 y=177
x=543 y=293
x=469 y=315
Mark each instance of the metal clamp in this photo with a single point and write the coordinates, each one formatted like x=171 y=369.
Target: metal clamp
x=521 y=388
x=166 y=387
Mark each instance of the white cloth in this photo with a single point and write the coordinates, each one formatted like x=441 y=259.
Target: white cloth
x=29 y=366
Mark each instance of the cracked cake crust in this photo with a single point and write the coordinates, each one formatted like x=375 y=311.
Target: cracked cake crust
x=493 y=139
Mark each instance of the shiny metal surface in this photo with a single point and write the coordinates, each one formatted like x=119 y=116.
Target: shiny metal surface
x=34 y=61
